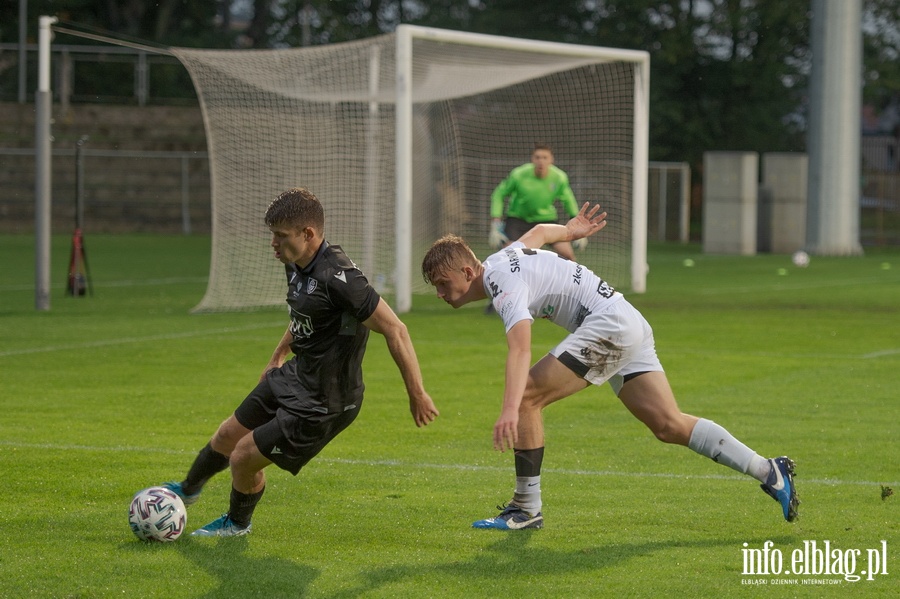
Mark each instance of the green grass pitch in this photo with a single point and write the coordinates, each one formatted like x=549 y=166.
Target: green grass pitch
x=110 y=393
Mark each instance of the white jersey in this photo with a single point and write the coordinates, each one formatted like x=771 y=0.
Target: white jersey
x=525 y=284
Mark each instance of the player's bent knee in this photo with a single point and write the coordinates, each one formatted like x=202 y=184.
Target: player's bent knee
x=536 y=401
x=671 y=430
x=227 y=436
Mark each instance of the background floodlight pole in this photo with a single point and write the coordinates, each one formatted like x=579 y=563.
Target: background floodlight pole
x=42 y=155
x=833 y=139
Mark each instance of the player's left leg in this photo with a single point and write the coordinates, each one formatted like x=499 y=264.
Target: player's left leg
x=247 y=464
x=649 y=398
x=257 y=408
x=211 y=459
x=247 y=488
x=548 y=381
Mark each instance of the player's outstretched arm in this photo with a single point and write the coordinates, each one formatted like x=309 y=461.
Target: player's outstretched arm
x=584 y=224
x=386 y=322
x=518 y=361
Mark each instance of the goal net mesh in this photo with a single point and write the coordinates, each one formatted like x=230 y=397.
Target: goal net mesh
x=324 y=118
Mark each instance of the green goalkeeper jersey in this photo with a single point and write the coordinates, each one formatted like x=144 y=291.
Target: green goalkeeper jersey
x=530 y=198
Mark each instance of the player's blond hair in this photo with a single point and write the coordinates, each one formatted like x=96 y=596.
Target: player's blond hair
x=448 y=253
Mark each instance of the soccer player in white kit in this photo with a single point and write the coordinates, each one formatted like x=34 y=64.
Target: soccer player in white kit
x=608 y=340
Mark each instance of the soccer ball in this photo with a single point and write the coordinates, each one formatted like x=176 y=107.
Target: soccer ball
x=157 y=514
x=800 y=259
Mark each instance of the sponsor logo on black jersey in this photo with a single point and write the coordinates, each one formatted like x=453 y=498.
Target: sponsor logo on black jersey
x=301 y=325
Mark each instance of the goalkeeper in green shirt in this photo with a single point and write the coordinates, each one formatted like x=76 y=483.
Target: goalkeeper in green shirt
x=532 y=189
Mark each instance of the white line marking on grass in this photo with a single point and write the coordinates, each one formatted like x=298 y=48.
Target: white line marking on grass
x=126 y=340
x=397 y=463
x=793 y=286
x=153 y=282
x=459 y=467
x=123 y=283
x=882 y=353
x=784 y=355
x=202 y=333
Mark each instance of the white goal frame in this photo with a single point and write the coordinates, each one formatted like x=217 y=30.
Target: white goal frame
x=403 y=145
x=404 y=140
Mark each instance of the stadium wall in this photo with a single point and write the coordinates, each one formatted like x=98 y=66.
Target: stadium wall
x=145 y=168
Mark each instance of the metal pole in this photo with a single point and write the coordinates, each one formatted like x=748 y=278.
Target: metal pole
x=66 y=81
x=663 y=201
x=42 y=155
x=371 y=191
x=305 y=29
x=640 y=176
x=404 y=141
x=142 y=85
x=185 y=200
x=685 y=218
x=832 y=224
x=23 y=53
x=79 y=182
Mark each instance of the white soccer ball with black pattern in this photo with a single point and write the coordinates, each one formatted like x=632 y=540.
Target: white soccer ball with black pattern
x=157 y=514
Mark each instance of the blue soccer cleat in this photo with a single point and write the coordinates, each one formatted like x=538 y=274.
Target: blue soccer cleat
x=780 y=486
x=511 y=517
x=178 y=490
x=223 y=527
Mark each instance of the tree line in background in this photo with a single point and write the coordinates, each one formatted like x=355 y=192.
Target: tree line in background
x=725 y=74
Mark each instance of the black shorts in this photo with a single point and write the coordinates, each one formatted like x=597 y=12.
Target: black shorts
x=516 y=227
x=287 y=430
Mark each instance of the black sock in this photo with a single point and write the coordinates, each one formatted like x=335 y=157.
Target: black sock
x=208 y=463
x=528 y=461
x=242 y=506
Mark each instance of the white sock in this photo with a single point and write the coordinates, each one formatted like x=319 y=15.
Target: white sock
x=759 y=468
x=528 y=493
x=711 y=440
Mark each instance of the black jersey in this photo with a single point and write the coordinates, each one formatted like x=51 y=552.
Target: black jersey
x=328 y=301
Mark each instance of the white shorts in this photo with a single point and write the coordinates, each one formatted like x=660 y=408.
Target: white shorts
x=609 y=346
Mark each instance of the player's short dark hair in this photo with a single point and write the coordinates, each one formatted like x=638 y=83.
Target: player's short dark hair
x=445 y=255
x=542 y=145
x=296 y=207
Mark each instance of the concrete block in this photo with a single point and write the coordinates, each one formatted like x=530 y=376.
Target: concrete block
x=730 y=194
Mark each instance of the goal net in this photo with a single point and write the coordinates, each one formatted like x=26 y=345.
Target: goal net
x=403 y=137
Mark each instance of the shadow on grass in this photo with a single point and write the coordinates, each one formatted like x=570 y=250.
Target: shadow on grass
x=511 y=555
x=240 y=575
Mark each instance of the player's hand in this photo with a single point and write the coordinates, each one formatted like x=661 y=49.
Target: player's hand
x=423 y=410
x=579 y=244
x=506 y=430
x=585 y=223
x=497 y=238
x=269 y=368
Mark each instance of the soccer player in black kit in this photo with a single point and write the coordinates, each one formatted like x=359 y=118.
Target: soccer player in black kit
x=301 y=404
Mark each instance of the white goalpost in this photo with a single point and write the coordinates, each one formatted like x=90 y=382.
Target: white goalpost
x=403 y=137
